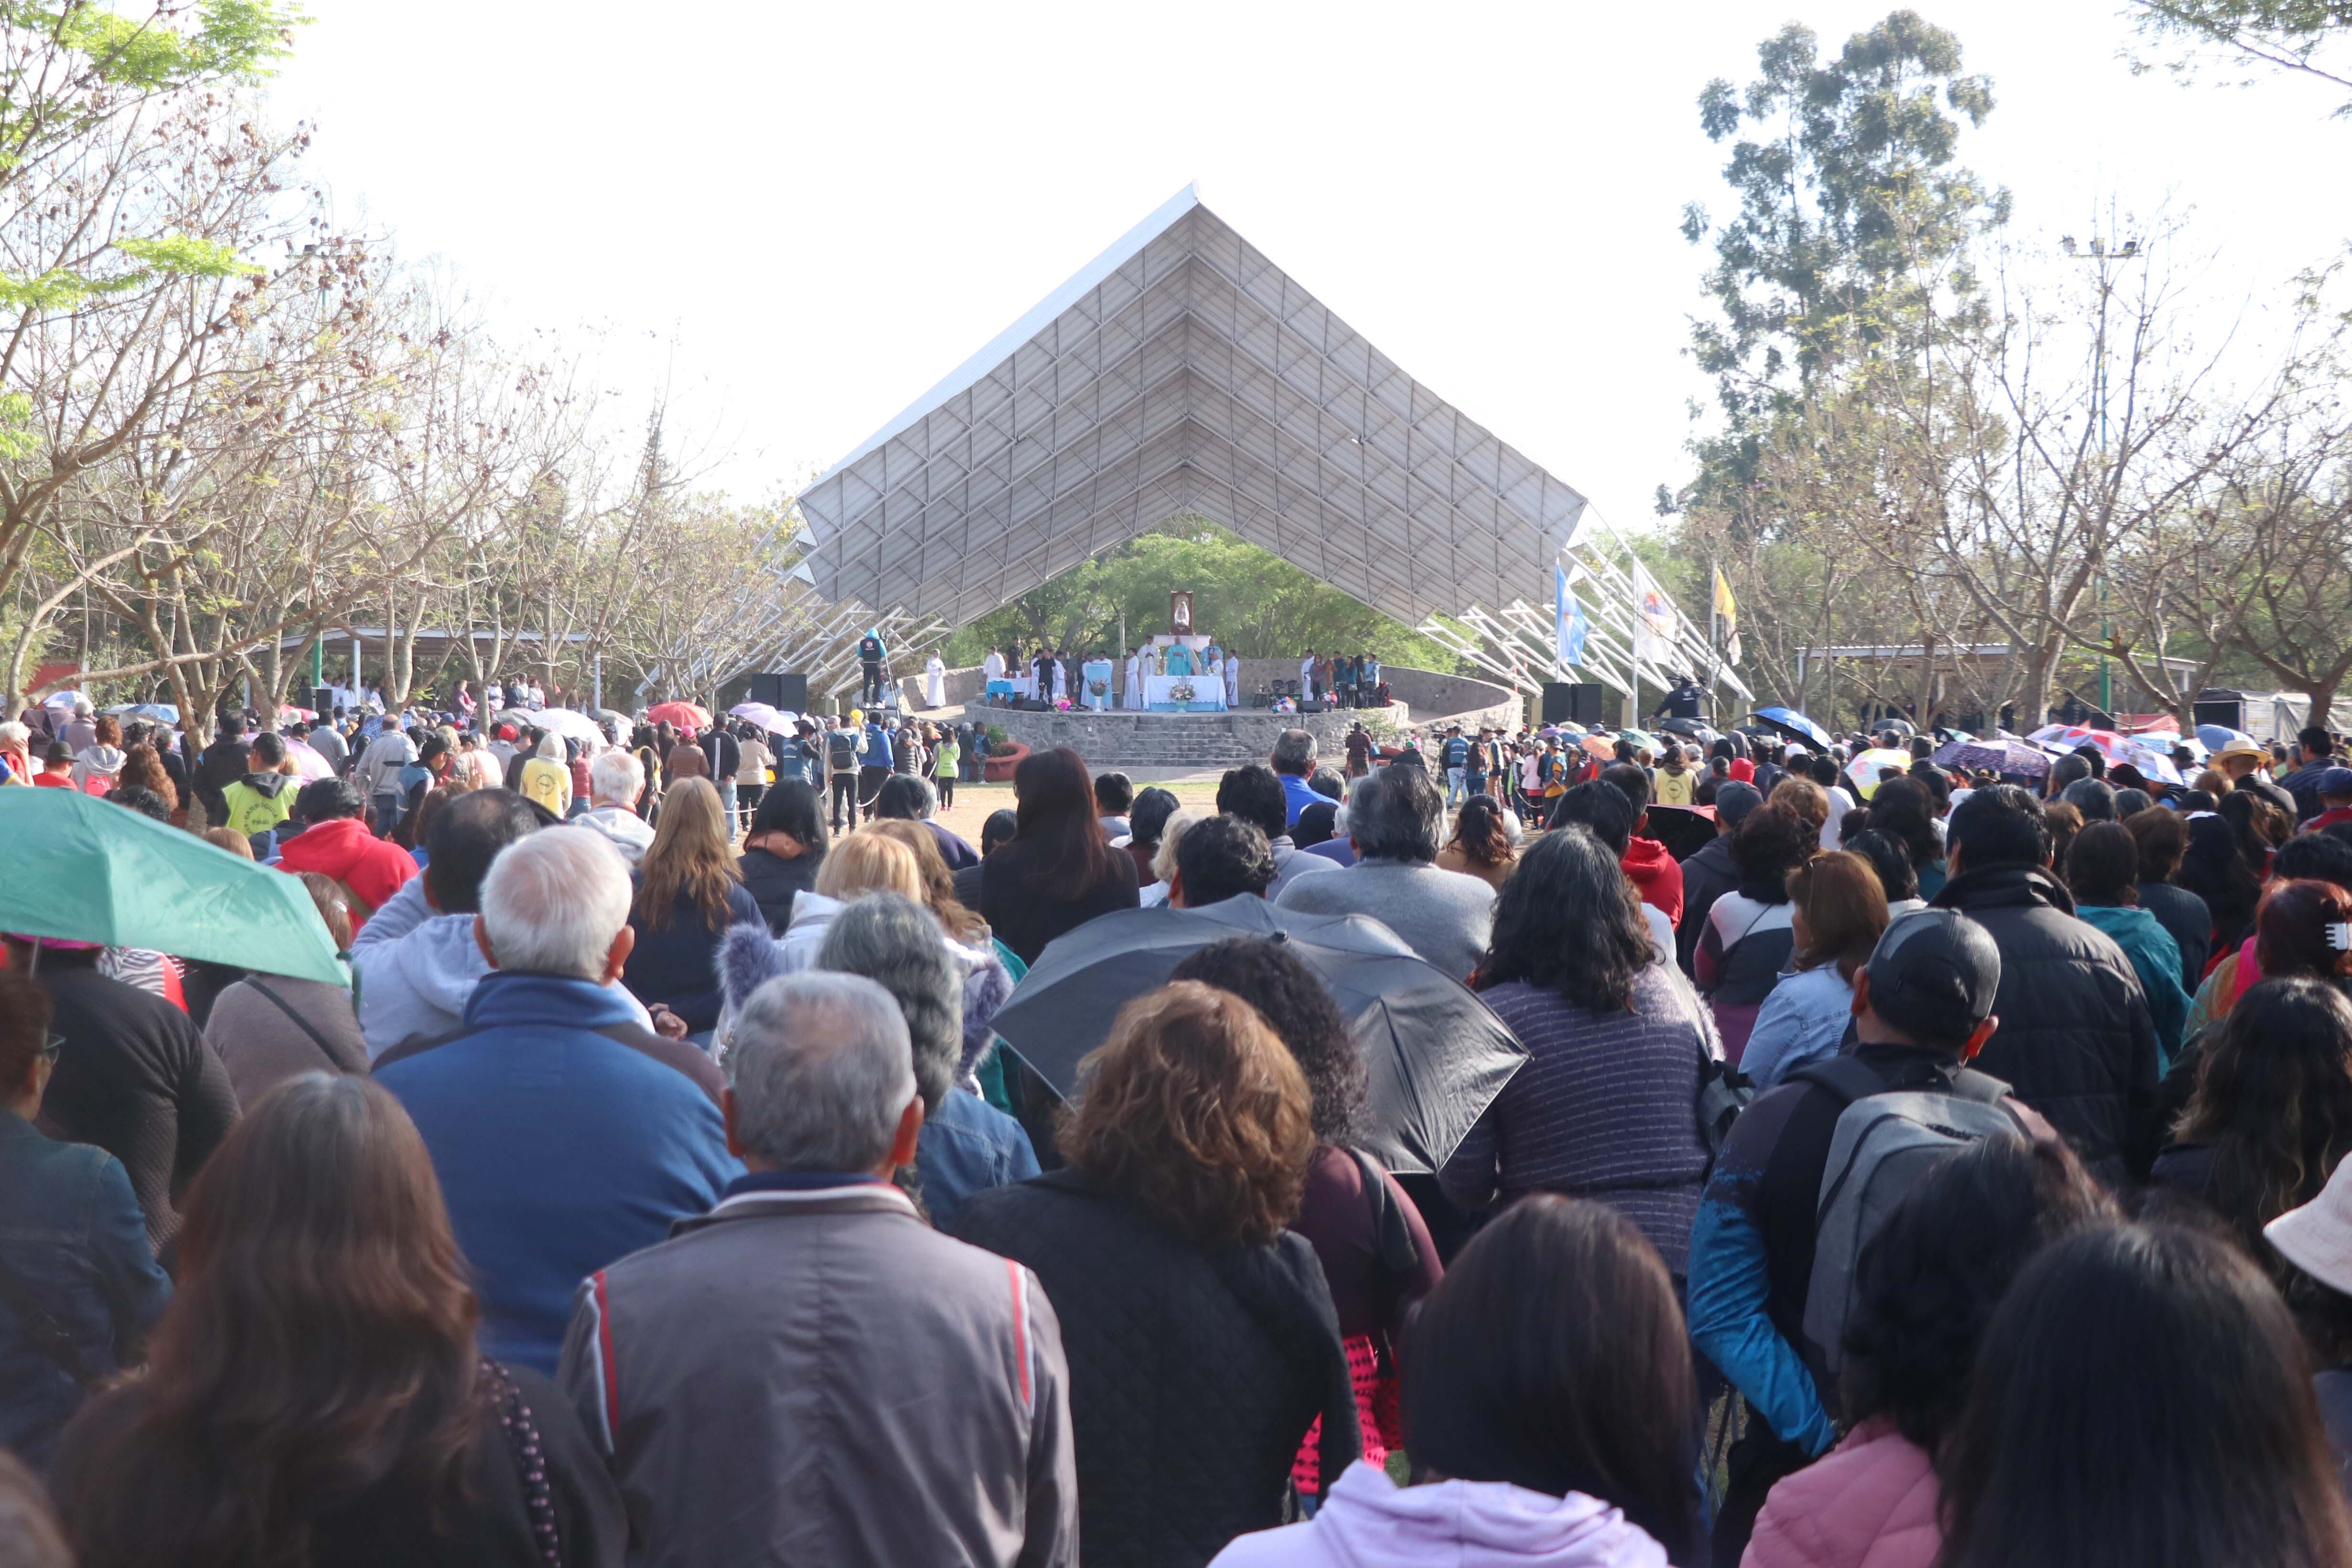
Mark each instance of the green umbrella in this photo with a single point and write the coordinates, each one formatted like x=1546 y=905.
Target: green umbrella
x=85 y=870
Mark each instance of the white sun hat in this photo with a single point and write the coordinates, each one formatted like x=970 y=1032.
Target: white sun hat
x=2317 y=1238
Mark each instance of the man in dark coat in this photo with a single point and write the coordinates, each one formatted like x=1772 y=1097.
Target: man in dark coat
x=221 y=765
x=2316 y=752
x=2076 y=1040
x=134 y=1077
x=1709 y=874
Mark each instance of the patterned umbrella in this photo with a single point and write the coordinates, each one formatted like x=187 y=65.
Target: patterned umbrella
x=1795 y=725
x=2001 y=756
x=1863 y=771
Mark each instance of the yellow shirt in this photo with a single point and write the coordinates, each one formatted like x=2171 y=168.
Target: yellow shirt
x=547 y=784
x=1676 y=789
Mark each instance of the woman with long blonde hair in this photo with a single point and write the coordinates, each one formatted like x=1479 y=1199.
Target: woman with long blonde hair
x=688 y=894
x=939 y=884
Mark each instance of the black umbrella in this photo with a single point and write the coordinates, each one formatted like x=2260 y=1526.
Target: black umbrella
x=1685 y=830
x=1690 y=729
x=1436 y=1055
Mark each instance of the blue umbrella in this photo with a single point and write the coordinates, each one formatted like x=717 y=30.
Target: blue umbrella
x=2217 y=736
x=163 y=711
x=1789 y=722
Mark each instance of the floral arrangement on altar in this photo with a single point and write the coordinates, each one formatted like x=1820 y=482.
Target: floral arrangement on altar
x=1181 y=692
x=1099 y=687
x=1285 y=705
x=1061 y=705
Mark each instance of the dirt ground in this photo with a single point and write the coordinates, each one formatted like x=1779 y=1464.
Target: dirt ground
x=974 y=802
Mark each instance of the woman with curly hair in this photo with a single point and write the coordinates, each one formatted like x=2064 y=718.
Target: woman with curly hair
x=1481 y=846
x=314 y=1395
x=142 y=769
x=1369 y=1234
x=2271 y=1111
x=1200 y=1335
x=1603 y=1108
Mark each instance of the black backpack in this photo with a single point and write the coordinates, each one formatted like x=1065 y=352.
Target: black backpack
x=843 y=747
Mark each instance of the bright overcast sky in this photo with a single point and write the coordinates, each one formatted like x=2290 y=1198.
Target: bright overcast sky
x=812 y=212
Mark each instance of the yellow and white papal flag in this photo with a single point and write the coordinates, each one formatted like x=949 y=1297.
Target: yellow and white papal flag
x=1727 y=618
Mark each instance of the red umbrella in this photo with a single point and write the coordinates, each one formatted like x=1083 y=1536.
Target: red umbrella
x=685 y=715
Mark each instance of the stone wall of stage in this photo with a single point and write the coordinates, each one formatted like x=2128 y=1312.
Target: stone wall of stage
x=1246 y=734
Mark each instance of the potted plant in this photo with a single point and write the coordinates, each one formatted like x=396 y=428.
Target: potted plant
x=1003 y=756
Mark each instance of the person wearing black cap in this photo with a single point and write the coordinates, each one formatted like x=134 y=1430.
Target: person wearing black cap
x=1709 y=874
x=2334 y=794
x=1923 y=1007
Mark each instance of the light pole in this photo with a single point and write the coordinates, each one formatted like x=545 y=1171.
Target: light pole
x=2099 y=256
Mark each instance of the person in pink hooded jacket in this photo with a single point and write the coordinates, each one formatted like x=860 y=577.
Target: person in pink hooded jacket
x=1928 y=1283
x=1548 y=1407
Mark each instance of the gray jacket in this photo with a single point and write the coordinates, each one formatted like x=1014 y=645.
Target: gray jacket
x=1442 y=915
x=814 y=1375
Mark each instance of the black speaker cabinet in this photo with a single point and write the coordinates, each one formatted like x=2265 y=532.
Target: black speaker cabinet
x=1587 y=703
x=322 y=701
x=787 y=692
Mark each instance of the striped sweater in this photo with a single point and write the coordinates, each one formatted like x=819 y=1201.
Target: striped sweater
x=1604 y=1108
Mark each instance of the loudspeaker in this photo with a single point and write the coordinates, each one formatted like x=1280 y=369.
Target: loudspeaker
x=322 y=701
x=1313 y=705
x=1034 y=705
x=2219 y=705
x=1587 y=703
x=787 y=692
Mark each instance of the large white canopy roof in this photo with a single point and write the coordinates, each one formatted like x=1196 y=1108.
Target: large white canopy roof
x=1183 y=371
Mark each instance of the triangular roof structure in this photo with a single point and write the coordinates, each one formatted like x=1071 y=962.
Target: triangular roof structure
x=1181 y=370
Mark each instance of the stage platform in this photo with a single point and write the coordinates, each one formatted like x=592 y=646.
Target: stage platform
x=1117 y=739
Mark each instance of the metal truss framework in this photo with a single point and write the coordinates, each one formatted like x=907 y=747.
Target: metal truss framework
x=807 y=635
x=1519 y=642
x=1183 y=371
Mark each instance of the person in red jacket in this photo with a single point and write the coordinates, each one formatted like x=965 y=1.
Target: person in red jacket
x=1656 y=875
x=335 y=842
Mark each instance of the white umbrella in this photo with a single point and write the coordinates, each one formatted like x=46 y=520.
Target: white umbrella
x=760 y=713
x=572 y=726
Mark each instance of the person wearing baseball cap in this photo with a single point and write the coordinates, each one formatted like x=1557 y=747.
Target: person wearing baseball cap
x=2332 y=790
x=1709 y=874
x=1923 y=1008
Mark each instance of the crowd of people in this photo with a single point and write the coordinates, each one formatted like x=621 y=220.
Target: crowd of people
x=1906 y=1167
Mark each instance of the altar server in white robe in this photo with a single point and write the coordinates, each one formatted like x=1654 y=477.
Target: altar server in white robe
x=1130 y=696
x=935 y=681
x=1233 y=680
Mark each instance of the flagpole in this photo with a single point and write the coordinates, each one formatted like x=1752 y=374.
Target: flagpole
x=1714 y=634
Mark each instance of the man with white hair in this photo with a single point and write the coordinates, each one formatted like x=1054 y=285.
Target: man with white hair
x=809 y=1372
x=615 y=779
x=565 y=1133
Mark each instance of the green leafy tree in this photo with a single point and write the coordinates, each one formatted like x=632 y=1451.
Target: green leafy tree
x=1253 y=603
x=2311 y=37
x=1851 y=213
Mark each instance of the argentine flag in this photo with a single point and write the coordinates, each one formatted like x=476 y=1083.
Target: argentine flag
x=1569 y=627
